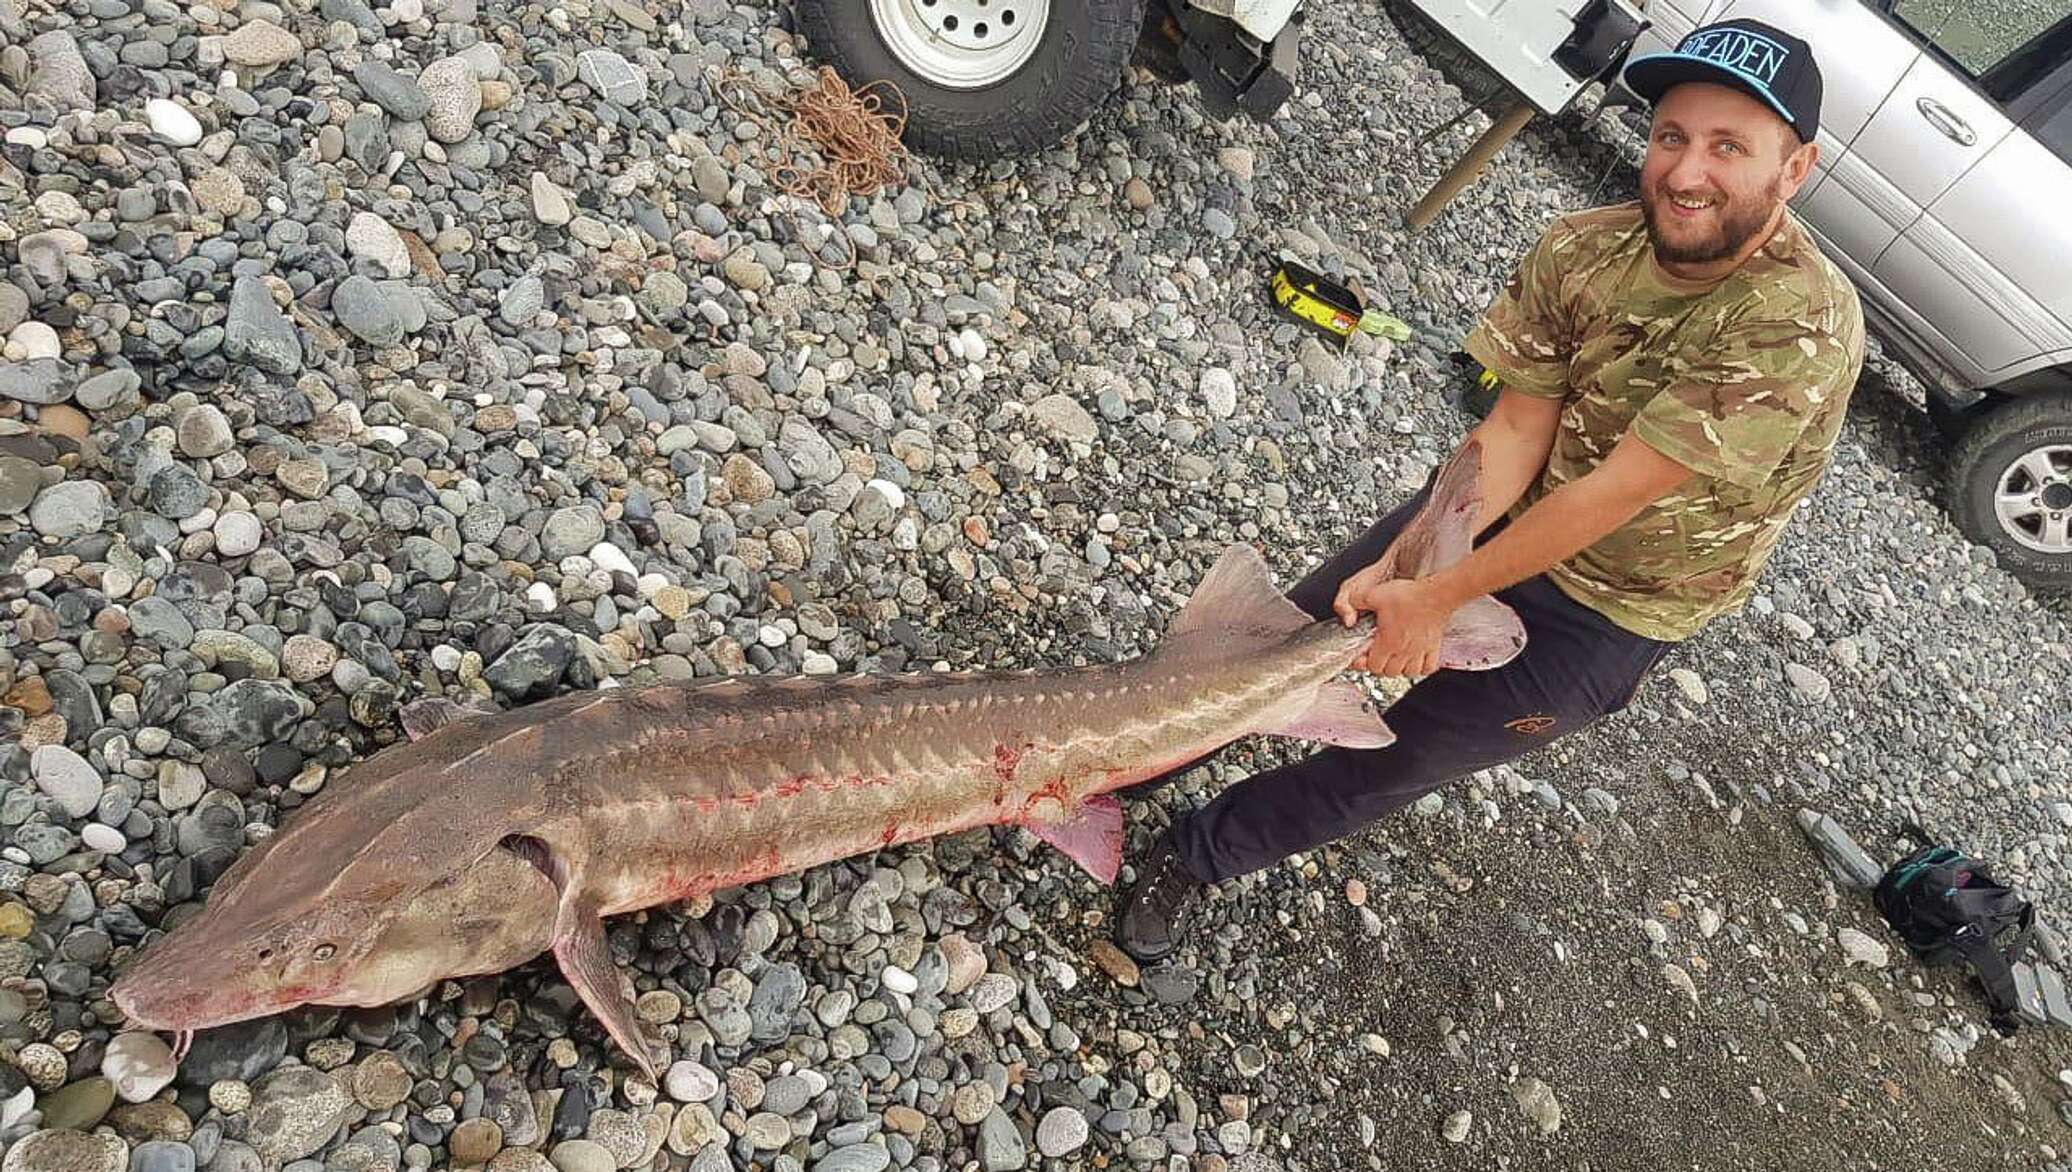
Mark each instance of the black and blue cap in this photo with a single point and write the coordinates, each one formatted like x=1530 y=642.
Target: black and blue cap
x=1762 y=61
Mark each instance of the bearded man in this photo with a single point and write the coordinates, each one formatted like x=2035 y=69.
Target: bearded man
x=1673 y=374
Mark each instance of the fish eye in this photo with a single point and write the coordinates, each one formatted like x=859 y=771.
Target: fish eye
x=265 y=954
x=324 y=952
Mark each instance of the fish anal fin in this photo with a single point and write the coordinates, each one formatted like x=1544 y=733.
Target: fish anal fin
x=1341 y=715
x=586 y=963
x=1236 y=606
x=1483 y=633
x=1092 y=837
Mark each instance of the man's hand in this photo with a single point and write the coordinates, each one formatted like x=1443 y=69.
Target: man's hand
x=1409 y=621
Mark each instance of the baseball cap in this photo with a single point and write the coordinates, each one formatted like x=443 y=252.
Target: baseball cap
x=1762 y=61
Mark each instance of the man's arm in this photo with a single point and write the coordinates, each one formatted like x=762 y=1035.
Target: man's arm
x=1410 y=614
x=1515 y=441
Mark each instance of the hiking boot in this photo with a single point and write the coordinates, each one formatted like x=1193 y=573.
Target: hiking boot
x=1148 y=926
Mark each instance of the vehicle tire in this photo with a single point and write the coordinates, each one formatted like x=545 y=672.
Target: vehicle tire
x=2021 y=453
x=982 y=79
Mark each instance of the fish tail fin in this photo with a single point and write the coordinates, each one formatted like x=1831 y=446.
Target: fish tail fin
x=1484 y=633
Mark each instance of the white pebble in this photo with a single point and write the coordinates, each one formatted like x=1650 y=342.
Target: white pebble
x=819 y=663
x=105 y=839
x=900 y=981
x=893 y=494
x=689 y=1082
x=237 y=534
x=1862 y=949
x=606 y=556
x=68 y=777
x=140 y=1065
x=32 y=137
x=540 y=597
x=171 y=122
x=446 y=657
x=32 y=340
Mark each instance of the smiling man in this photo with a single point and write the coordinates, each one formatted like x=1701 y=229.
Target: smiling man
x=1674 y=372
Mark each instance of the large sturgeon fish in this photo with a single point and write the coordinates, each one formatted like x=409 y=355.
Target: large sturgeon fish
x=491 y=838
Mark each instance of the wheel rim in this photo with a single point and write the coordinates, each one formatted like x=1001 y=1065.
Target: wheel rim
x=2033 y=499
x=961 y=44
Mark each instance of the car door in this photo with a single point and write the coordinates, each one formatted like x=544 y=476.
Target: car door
x=1979 y=271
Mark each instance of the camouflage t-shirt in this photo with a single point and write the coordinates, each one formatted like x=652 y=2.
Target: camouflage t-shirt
x=1744 y=381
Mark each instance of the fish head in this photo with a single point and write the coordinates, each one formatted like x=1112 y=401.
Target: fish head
x=214 y=969
x=366 y=940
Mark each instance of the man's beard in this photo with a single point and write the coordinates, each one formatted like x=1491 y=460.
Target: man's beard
x=1739 y=221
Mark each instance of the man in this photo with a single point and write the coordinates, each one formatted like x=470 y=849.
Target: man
x=1673 y=374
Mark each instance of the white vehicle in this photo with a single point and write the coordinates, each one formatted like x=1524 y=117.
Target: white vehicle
x=989 y=79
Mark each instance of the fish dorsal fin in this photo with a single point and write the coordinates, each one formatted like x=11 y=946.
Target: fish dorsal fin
x=1236 y=606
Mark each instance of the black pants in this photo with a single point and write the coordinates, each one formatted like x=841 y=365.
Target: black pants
x=1577 y=666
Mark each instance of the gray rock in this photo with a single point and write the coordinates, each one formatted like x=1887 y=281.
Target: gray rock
x=70 y=508
x=295 y=1112
x=59 y=73
x=401 y=96
x=1000 y=1146
x=39 y=380
x=176 y=493
x=162 y=1156
x=1844 y=858
x=257 y=332
x=14 y=306
x=570 y=531
x=860 y=1157
x=160 y=621
x=612 y=76
x=247 y=713
x=20 y=481
x=2055 y=1004
x=778 y=994
x=108 y=390
x=2028 y=995
x=373 y=311
x=534 y=663
x=1061 y=1131
x=522 y=300
x=204 y=433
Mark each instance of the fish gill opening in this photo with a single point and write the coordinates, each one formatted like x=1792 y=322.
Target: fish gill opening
x=534 y=851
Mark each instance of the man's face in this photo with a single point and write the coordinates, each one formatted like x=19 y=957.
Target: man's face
x=1719 y=164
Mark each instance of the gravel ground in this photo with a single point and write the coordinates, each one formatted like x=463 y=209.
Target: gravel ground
x=464 y=348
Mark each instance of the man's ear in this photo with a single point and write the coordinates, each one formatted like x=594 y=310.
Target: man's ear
x=1798 y=167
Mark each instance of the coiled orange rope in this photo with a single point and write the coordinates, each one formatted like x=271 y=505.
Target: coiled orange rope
x=855 y=139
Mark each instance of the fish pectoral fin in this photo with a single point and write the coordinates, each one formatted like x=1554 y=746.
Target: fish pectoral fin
x=1092 y=837
x=1482 y=634
x=1341 y=715
x=586 y=963
x=421 y=718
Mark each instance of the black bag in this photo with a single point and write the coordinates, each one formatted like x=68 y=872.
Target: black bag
x=1947 y=907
